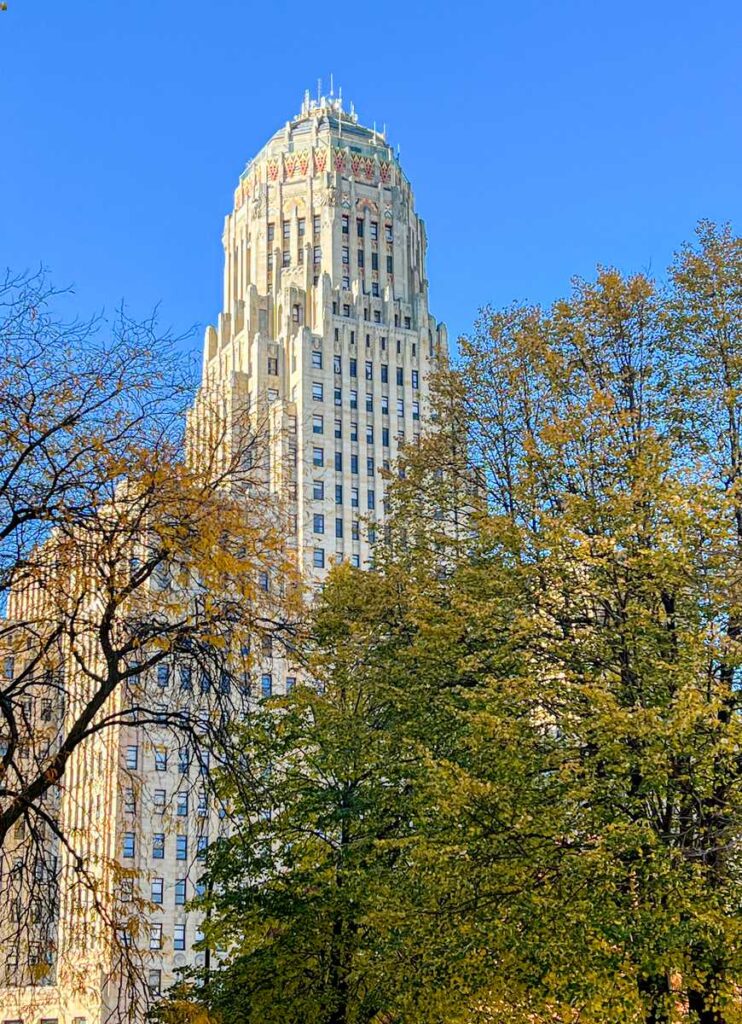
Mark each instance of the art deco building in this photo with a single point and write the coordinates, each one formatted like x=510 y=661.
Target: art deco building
x=326 y=342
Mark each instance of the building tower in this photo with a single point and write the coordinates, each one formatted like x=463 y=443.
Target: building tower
x=326 y=334
x=326 y=341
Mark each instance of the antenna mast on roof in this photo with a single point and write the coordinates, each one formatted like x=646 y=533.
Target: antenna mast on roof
x=332 y=85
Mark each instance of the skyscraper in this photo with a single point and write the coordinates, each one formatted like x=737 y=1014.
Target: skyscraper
x=326 y=342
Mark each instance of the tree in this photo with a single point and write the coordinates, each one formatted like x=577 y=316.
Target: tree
x=606 y=432
x=137 y=583
x=298 y=894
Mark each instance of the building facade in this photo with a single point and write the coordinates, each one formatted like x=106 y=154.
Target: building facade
x=325 y=345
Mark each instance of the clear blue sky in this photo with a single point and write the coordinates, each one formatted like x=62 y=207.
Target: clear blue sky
x=541 y=138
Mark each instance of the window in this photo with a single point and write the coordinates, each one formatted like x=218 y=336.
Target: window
x=272 y=366
x=384 y=373
x=159 y=798
x=300 y=255
x=370 y=468
x=160 y=759
x=345 y=223
x=318 y=456
x=155 y=936
x=354 y=367
x=400 y=407
x=155 y=890
x=371 y=496
x=269 y=263
x=346 y=283
x=416 y=410
x=318 y=490
x=354 y=530
x=316 y=359
x=375 y=263
x=154 y=982
x=407 y=322
x=369 y=403
x=355 y=560
x=317 y=254
x=353 y=431
x=317 y=391
x=385 y=436
x=302 y=225
x=377 y=316
x=271 y=232
x=338 y=527
x=180 y=892
x=181 y=805
x=400 y=376
x=354 y=464
x=353 y=399
x=132 y=758
x=374 y=230
x=360 y=257
x=369 y=434
x=158 y=845
x=290 y=683
x=319 y=558
x=183 y=760
x=163 y=675
x=128 y=845
x=354 y=497
x=338 y=396
x=181 y=847
x=318 y=425
x=359 y=226
x=179 y=936
x=315 y=224
x=375 y=293
x=415 y=379
x=389 y=265
x=287 y=229
x=272 y=395
x=346 y=310
x=263 y=580
x=388 y=234
x=185 y=675
x=369 y=370
x=338 y=462
x=338 y=428
x=9 y=667
x=130 y=804
x=399 y=343
x=337 y=364
x=266 y=685
x=346 y=254
x=202 y=844
x=338 y=494
x=285 y=258
x=319 y=523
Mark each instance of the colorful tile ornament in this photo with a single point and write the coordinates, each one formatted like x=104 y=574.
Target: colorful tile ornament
x=302 y=160
x=355 y=163
x=368 y=167
x=273 y=170
x=320 y=161
x=289 y=163
x=385 y=172
x=339 y=159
